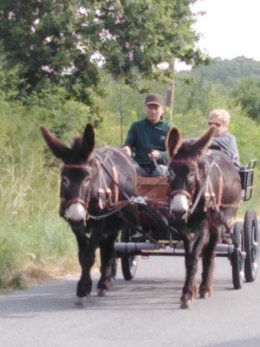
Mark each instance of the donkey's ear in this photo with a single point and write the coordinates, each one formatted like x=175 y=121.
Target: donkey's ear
x=56 y=146
x=173 y=142
x=204 y=141
x=88 y=140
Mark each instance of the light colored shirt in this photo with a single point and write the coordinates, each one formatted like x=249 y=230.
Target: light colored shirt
x=227 y=144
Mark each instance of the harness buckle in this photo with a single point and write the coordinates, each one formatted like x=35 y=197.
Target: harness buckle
x=142 y=200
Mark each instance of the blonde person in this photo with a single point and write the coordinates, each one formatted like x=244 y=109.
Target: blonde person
x=223 y=140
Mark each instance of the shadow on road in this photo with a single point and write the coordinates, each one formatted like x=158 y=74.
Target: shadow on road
x=139 y=294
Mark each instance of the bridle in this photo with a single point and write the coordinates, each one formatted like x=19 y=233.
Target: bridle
x=106 y=197
x=206 y=186
x=85 y=202
x=183 y=191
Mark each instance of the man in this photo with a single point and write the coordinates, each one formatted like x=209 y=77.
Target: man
x=145 y=140
x=223 y=140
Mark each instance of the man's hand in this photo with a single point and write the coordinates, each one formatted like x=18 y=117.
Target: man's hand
x=127 y=150
x=154 y=154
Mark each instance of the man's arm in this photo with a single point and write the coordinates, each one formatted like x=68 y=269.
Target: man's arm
x=127 y=150
x=129 y=141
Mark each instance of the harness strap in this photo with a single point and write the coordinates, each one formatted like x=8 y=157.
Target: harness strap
x=201 y=189
x=115 y=190
x=210 y=193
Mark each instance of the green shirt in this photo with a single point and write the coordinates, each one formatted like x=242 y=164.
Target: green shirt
x=143 y=137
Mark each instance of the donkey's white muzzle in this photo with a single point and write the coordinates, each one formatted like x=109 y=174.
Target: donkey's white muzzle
x=75 y=212
x=179 y=206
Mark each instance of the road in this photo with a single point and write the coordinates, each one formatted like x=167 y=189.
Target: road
x=143 y=312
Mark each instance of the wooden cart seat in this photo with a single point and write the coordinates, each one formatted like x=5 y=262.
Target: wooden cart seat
x=155 y=188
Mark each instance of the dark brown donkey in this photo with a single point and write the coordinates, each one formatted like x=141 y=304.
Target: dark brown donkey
x=205 y=193
x=95 y=188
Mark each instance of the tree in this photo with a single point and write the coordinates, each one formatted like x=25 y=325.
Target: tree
x=65 y=42
x=247 y=94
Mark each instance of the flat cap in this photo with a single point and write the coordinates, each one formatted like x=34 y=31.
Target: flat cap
x=155 y=99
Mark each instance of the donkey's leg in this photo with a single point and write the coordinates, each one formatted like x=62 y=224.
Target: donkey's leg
x=208 y=257
x=192 y=252
x=189 y=288
x=107 y=255
x=86 y=255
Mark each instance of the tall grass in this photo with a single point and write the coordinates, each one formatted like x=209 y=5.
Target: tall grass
x=32 y=234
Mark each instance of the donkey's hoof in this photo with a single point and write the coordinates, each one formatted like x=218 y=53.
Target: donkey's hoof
x=81 y=302
x=205 y=292
x=186 y=304
x=101 y=292
x=204 y=295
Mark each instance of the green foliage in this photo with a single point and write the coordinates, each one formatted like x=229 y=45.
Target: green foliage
x=220 y=84
x=9 y=77
x=135 y=36
x=247 y=94
x=227 y=72
x=63 y=43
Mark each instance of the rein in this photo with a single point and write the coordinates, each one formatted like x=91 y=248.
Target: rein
x=84 y=203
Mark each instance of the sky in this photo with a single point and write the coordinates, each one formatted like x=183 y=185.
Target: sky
x=230 y=28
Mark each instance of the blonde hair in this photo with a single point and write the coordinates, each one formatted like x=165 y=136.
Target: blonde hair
x=219 y=114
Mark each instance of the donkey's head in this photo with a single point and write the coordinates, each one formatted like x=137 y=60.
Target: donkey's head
x=76 y=173
x=185 y=170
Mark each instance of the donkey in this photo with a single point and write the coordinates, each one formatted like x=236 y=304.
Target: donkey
x=205 y=193
x=95 y=187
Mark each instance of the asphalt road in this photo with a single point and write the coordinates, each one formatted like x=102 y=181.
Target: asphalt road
x=139 y=313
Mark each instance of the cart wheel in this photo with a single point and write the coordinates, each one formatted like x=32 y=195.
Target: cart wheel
x=251 y=245
x=237 y=261
x=128 y=262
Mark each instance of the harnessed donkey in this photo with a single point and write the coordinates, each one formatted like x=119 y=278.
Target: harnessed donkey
x=205 y=193
x=94 y=199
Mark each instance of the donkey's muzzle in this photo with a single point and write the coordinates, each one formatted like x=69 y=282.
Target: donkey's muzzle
x=179 y=206
x=75 y=211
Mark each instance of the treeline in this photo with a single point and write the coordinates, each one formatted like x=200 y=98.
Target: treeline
x=237 y=79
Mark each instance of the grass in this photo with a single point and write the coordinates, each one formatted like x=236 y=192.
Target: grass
x=30 y=248
x=32 y=235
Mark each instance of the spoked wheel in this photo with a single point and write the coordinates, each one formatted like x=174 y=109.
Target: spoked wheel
x=128 y=261
x=250 y=236
x=237 y=261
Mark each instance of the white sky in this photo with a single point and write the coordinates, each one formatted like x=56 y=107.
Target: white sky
x=230 y=28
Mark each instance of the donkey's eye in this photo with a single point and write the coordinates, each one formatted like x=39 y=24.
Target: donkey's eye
x=65 y=181
x=191 y=177
x=86 y=181
x=172 y=175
